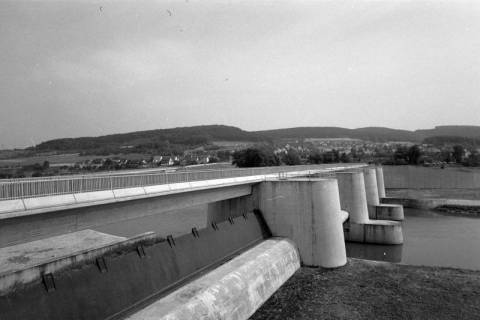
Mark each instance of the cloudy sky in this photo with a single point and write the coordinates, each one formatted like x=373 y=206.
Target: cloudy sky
x=87 y=68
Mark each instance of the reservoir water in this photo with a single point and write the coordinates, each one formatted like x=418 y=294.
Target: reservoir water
x=431 y=238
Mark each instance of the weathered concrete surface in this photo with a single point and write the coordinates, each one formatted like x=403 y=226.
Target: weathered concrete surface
x=94 y=196
x=353 y=199
x=28 y=254
x=46 y=202
x=371 y=187
x=12 y=206
x=380 y=182
x=385 y=211
x=308 y=212
x=375 y=231
x=234 y=290
x=22 y=264
x=222 y=210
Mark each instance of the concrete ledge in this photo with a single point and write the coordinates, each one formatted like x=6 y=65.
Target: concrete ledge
x=386 y=212
x=57 y=253
x=157 y=189
x=94 y=196
x=51 y=201
x=11 y=206
x=234 y=290
x=128 y=192
x=180 y=186
x=375 y=231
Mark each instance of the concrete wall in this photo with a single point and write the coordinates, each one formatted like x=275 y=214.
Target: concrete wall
x=221 y=210
x=416 y=177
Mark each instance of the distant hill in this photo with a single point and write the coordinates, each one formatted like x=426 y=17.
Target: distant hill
x=178 y=139
x=185 y=136
x=369 y=133
x=452 y=131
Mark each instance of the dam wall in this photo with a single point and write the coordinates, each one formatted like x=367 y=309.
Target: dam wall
x=118 y=280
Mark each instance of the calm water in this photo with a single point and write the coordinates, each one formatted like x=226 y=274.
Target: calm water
x=430 y=239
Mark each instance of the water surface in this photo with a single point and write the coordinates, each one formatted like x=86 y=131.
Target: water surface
x=431 y=239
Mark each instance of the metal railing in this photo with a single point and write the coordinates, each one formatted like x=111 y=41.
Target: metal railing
x=36 y=187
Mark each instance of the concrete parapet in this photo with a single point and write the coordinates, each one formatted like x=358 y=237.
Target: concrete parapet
x=234 y=290
x=51 y=201
x=308 y=212
x=387 y=212
x=375 y=231
x=161 y=188
x=129 y=192
x=353 y=199
x=380 y=182
x=94 y=196
x=11 y=206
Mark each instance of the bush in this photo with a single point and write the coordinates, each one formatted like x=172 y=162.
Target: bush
x=255 y=157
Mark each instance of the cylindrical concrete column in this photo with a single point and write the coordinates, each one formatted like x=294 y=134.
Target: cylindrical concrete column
x=308 y=212
x=353 y=198
x=380 y=182
x=329 y=241
x=371 y=187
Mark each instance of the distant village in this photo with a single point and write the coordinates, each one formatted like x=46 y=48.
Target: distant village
x=306 y=151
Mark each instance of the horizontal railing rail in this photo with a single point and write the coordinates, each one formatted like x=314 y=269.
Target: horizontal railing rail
x=37 y=187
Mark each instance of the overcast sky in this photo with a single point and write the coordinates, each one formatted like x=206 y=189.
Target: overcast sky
x=81 y=68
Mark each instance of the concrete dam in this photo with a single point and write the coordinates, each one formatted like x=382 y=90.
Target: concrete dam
x=261 y=226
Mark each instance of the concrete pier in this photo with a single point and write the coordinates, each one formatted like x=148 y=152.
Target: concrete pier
x=377 y=210
x=380 y=182
x=371 y=186
x=359 y=228
x=308 y=212
x=353 y=198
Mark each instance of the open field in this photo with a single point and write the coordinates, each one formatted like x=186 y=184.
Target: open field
x=376 y=290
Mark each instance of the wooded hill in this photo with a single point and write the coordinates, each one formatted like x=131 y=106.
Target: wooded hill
x=180 y=138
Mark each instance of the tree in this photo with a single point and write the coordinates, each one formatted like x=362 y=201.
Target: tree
x=414 y=155
x=458 y=153
x=345 y=158
x=291 y=158
x=255 y=157
x=316 y=157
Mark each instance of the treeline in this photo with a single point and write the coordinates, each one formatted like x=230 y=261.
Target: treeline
x=265 y=156
x=439 y=141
